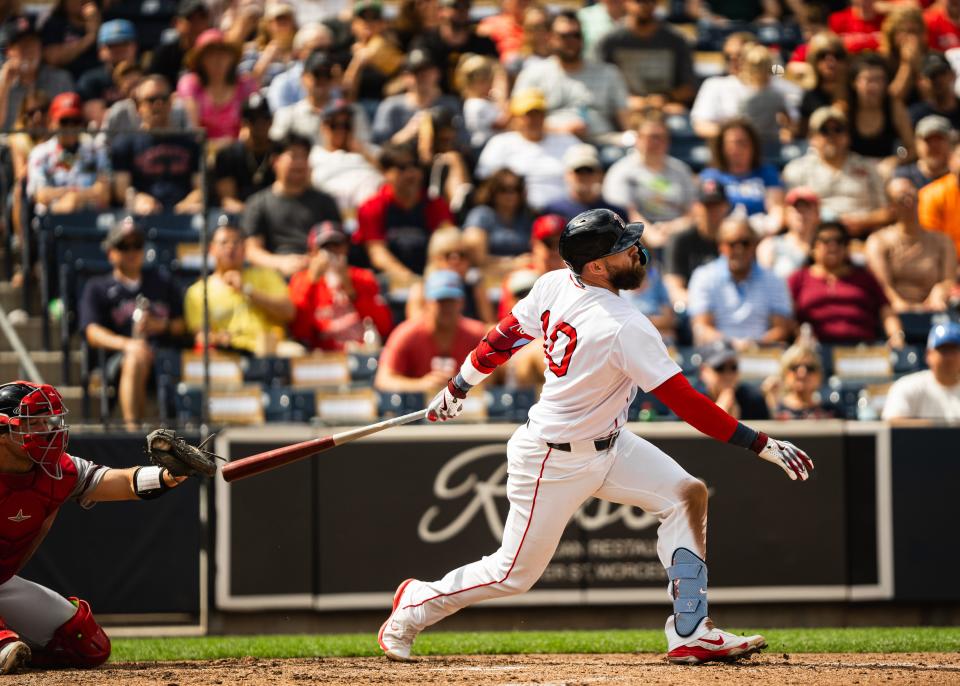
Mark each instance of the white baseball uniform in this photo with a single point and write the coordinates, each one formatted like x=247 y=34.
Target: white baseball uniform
x=598 y=349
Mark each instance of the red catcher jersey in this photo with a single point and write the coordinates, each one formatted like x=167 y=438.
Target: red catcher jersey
x=598 y=349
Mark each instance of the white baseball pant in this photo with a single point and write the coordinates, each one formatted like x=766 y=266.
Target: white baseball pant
x=33 y=611
x=545 y=486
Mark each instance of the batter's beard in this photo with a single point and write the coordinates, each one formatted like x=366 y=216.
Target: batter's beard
x=630 y=278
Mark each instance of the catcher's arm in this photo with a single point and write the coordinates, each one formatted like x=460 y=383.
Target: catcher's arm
x=121 y=484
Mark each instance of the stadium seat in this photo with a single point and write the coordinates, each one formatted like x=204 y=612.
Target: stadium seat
x=916 y=326
x=269 y=372
x=188 y=402
x=909 y=359
x=289 y=404
x=362 y=366
x=509 y=404
x=647 y=407
x=395 y=404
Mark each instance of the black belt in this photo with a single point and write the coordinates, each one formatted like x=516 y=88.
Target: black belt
x=600 y=444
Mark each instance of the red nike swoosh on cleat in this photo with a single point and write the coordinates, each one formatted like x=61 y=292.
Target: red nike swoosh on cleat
x=718 y=642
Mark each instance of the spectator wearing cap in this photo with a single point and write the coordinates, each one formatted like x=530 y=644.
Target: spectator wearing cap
x=447 y=250
x=304 y=116
x=736 y=299
x=193 y=18
x=123 y=115
x=108 y=317
x=657 y=189
x=423 y=353
x=584 y=178
x=155 y=172
x=936 y=87
x=940 y=201
x=341 y=165
x=271 y=52
x=585 y=98
x=116 y=43
x=375 y=58
x=843 y=302
x=697 y=244
x=23 y=70
x=248 y=307
x=720 y=381
x=213 y=91
x=530 y=151
x=454 y=37
x=69 y=36
x=847 y=184
x=245 y=166
x=935 y=136
x=652 y=299
x=394 y=225
x=334 y=301
x=286 y=87
x=400 y=117
x=69 y=171
x=499 y=223
x=942 y=18
x=655 y=59
x=916 y=268
x=544 y=257
x=785 y=253
x=277 y=220
x=933 y=394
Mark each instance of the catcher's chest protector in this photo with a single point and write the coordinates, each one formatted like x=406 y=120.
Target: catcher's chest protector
x=26 y=500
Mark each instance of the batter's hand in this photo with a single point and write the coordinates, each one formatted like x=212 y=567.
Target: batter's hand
x=446 y=404
x=785 y=455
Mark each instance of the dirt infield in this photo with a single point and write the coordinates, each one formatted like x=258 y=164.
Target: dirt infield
x=514 y=670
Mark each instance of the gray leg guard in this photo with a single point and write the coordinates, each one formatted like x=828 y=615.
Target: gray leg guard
x=688 y=585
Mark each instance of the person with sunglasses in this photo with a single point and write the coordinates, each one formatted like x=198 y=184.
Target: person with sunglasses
x=454 y=38
x=848 y=185
x=720 y=381
x=70 y=171
x=734 y=298
x=843 y=302
x=583 y=175
x=827 y=62
x=244 y=167
x=795 y=392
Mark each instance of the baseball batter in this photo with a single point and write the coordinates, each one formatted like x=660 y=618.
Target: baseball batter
x=598 y=349
x=37 y=626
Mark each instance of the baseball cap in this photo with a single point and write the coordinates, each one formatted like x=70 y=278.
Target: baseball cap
x=802 y=194
x=116 y=31
x=933 y=124
x=17 y=28
x=581 y=155
x=935 y=64
x=417 y=60
x=335 y=107
x=188 y=7
x=943 y=334
x=120 y=231
x=318 y=64
x=526 y=101
x=547 y=226
x=256 y=107
x=209 y=39
x=279 y=8
x=717 y=353
x=442 y=285
x=325 y=232
x=711 y=191
x=361 y=6
x=66 y=105
x=822 y=115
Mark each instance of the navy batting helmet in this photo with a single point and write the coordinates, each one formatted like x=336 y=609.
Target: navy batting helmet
x=594 y=234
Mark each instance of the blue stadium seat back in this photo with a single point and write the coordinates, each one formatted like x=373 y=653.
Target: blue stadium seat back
x=909 y=359
x=151 y=17
x=647 y=407
x=395 y=404
x=86 y=219
x=499 y=401
x=277 y=405
x=710 y=37
x=214 y=215
x=166 y=363
x=791 y=151
x=693 y=151
x=680 y=126
x=170 y=223
x=362 y=366
x=188 y=403
x=267 y=371
x=916 y=326
x=689 y=360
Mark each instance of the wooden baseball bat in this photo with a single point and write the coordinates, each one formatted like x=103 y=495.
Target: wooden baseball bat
x=279 y=457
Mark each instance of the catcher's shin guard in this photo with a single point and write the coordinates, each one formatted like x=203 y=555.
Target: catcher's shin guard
x=688 y=586
x=79 y=642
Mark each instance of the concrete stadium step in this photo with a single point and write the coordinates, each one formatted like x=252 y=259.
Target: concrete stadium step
x=12 y=299
x=48 y=362
x=31 y=333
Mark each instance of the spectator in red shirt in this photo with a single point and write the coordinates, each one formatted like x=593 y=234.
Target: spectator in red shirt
x=333 y=300
x=422 y=353
x=943 y=25
x=859 y=25
x=843 y=302
x=395 y=224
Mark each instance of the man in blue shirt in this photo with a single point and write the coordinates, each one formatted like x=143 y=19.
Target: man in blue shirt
x=735 y=298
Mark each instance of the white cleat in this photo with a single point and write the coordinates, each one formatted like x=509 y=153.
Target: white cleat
x=710 y=645
x=13 y=656
x=395 y=637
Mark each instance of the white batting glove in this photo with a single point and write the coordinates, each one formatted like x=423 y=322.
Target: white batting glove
x=785 y=455
x=446 y=404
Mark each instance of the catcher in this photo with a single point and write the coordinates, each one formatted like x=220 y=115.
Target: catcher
x=38 y=627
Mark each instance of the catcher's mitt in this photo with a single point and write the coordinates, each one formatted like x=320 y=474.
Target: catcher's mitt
x=166 y=449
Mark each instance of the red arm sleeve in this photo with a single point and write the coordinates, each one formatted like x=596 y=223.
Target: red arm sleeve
x=695 y=408
x=496 y=348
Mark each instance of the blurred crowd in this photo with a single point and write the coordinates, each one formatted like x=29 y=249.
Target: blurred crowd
x=400 y=175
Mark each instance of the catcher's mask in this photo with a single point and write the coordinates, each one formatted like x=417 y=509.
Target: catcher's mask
x=36 y=419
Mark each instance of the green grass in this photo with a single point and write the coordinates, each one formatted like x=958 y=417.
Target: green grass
x=868 y=640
